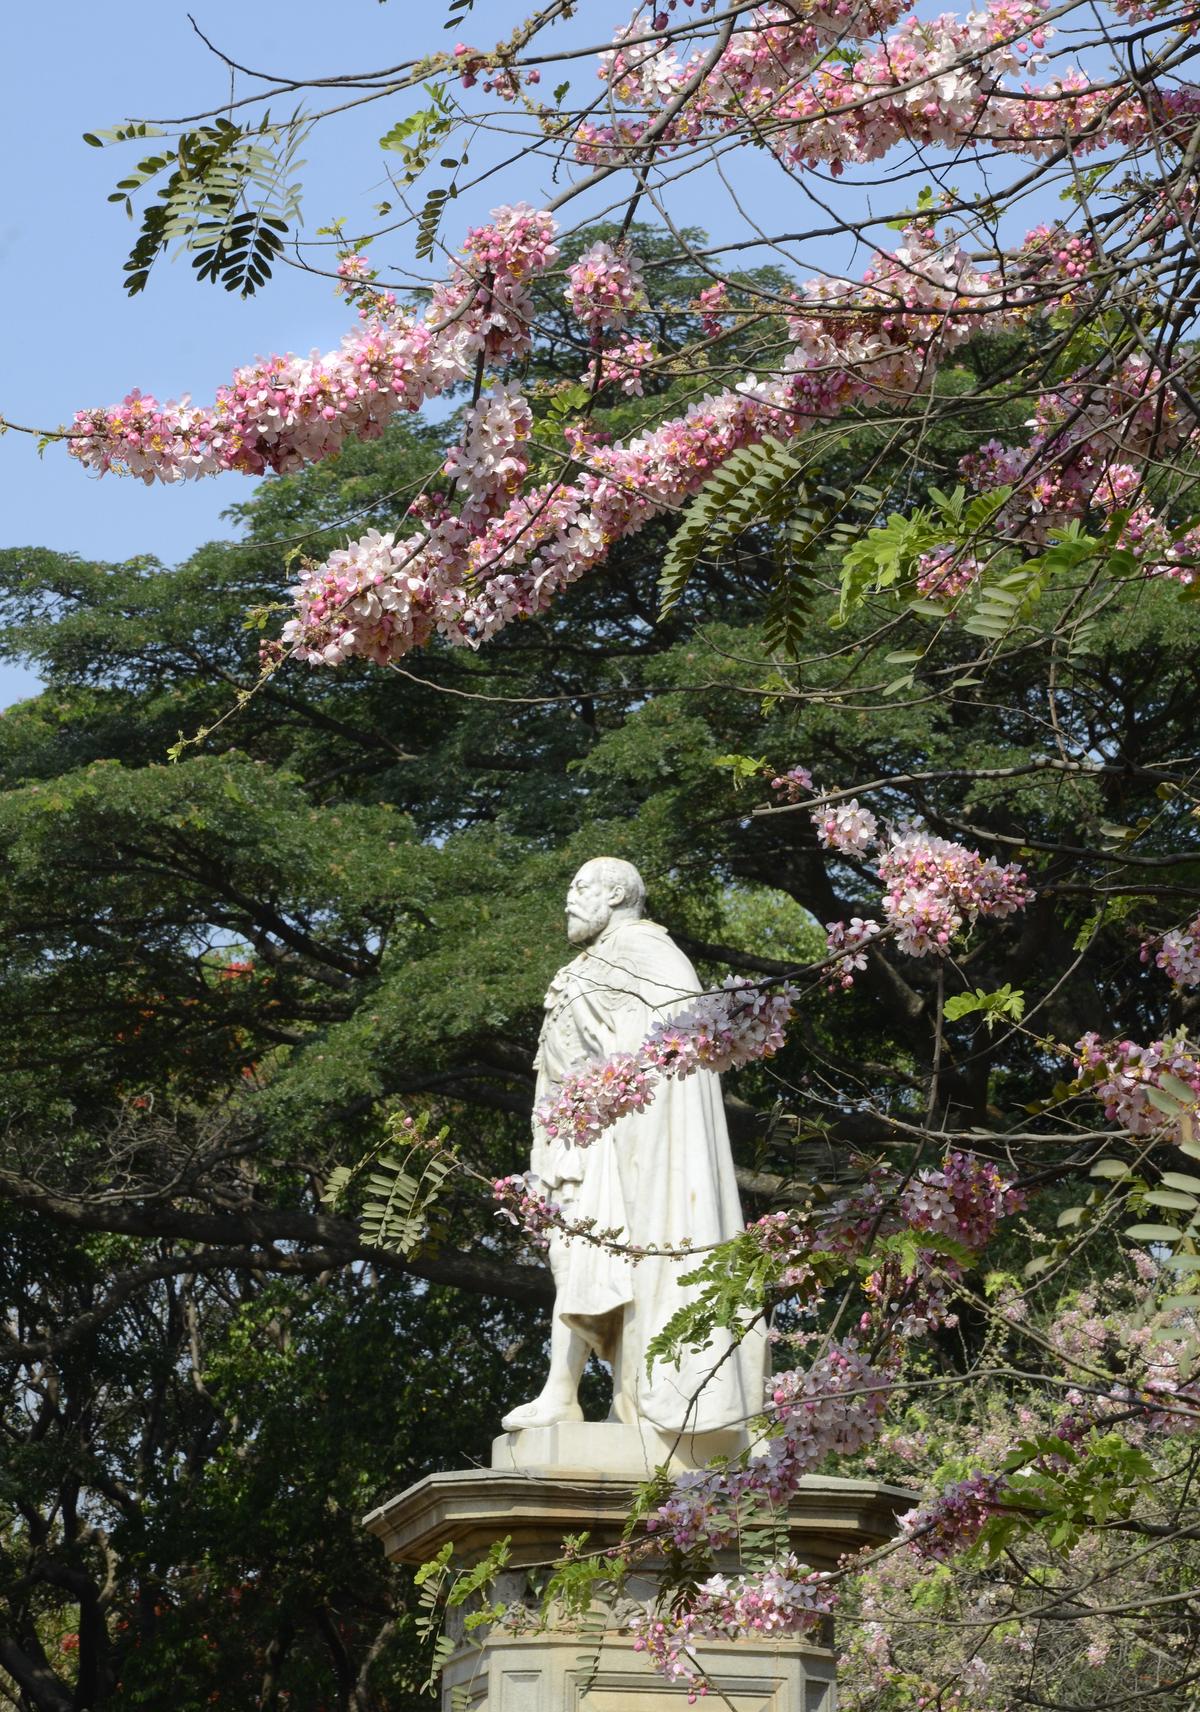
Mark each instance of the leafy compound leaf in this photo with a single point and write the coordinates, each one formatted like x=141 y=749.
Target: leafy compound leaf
x=416 y=137
x=229 y=199
x=1003 y=1002
x=398 y=1191
x=762 y=486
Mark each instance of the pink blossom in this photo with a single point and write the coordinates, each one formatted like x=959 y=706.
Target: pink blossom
x=782 y=1600
x=596 y=1096
x=717 y=1031
x=795 y=784
x=521 y=1203
x=851 y=940
x=1122 y=1074
x=946 y=572
x=491 y=458
x=934 y=887
x=835 y=1406
x=845 y=827
x=955 y=1518
x=604 y=287
x=1178 y=954
x=284 y=412
x=623 y=366
x=711 y=301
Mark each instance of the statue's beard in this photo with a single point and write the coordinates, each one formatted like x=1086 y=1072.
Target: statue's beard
x=583 y=925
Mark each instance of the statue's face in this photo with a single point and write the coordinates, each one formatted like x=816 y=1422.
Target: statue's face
x=590 y=904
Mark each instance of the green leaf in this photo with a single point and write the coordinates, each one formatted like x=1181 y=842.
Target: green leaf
x=743 y=767
x=1173 y=1198
x=1154 y=1233
x=1183 y=1091
x=1166 y=1100
x=1003 y=1002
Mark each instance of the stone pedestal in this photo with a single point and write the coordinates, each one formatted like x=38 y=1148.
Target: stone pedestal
x=535 y=1497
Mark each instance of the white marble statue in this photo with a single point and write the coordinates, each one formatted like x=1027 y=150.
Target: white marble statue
x=659 y=1175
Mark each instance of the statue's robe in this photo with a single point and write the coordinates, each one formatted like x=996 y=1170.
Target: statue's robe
x=659 y=1176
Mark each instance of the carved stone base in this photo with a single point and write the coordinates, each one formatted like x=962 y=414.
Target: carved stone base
x=534 y=1499
x=611 y=1448
x=548 y=1674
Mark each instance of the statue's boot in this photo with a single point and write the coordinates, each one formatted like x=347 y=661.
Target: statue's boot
x=542 y=1412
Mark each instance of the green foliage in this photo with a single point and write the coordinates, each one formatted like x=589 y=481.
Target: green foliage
x=887 y=554
x=415 y=138
x=1004 y=1002
x=744 y=768
x=1060 y=1492
x=229 y=197
x=761 y=486
x=400 y=1191
x=731 y=1289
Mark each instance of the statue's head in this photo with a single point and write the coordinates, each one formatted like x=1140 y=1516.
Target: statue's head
x=603 y=891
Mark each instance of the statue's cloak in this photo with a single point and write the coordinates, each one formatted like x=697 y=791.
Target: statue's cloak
x=663 y=1175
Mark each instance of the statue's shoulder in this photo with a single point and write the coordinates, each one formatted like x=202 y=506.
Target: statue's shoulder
x=648 y=948
x=560 y=981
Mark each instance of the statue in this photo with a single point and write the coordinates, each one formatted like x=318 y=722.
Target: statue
x=659 y=1175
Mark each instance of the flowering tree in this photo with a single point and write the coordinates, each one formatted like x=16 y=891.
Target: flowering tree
x=1022 y=337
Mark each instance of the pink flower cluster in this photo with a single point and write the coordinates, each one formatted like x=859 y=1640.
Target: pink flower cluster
x=719 y=1031
x=284 y=412
x=835 y=1406
x=503 y=81
x=793 y=785
x=934 y=886
x=965 y=1200
x=933 y=81
x=1092 y=440
x=596 y=1096
x=946 y=572
x=845 y=827
x=522 y=1204
x=1178 y=954
x=604 y=287
x=491 y=458
x=855 y=344
x=624 y=366
x=476 y=576
x=955 y=1518
x=354 y=274
x=1061 y=255
x=1122 y=1074
x=366 y=601
x=785 y=1599
x=711 y=302
x=850 y=940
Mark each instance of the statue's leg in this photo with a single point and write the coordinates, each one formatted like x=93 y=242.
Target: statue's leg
x=558 y=1399
x=624 y=1402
